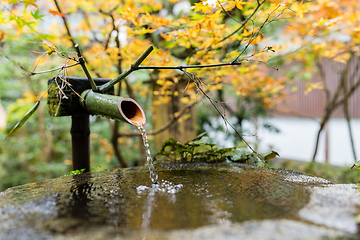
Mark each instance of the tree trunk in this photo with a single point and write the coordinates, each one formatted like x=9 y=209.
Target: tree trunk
x=182 y=130
x=114 y=142
x=347 y=116
x=324 y=121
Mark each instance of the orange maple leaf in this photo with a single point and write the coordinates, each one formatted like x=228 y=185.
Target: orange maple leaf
x=53 y=12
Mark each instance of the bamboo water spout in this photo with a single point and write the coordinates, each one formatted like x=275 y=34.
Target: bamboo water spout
x=64 y=100
x=119 y=108
x=115 y=107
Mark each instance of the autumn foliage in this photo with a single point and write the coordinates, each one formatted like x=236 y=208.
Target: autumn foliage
x=112 y=35
x=228 y=37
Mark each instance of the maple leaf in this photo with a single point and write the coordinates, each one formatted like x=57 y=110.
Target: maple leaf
x=53 y=12
x=29 y=2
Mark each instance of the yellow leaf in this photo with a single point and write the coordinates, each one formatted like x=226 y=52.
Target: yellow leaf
x=239 y=4
x=271 y=155
x=143 y=31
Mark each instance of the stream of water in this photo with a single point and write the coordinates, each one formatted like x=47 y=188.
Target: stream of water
x=153 y=173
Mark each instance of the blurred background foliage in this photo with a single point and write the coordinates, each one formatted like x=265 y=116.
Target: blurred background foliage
x=112 y=34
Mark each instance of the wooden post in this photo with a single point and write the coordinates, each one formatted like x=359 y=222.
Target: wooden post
x=80 y=141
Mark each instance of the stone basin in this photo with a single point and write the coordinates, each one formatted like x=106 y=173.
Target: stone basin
x=191 y=201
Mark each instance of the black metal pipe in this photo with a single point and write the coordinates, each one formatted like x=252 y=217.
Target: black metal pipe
x=80 y=141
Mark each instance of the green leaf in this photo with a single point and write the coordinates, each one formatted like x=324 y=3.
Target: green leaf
x=37 y=15
x=356 y=165
x=271 y=155
x=24 y=119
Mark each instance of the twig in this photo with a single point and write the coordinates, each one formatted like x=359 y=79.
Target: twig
x=181 y=67
x=226 y=12
x=113 y=27
x=30 y=73
x=65 y=23
x=87 y=22
x=134 y=66
x=69 y=33
x=82 y=63
x=54 y=69
x=255 y=35
x=244 y=23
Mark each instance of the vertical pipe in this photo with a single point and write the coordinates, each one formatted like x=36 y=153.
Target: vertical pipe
x=80 y=140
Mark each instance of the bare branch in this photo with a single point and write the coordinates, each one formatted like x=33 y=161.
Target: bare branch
x=226 y=12
x=245 y=22
x=30 y=73
x=113 y=27
x=54 y=69
x=82 y=63
x=134 y=66
x=65 y=24
x=181 y=67
x=255 y=35
x=69 y=33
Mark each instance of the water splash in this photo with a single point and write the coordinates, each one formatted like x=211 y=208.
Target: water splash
x=152 y=170
x=163 y=186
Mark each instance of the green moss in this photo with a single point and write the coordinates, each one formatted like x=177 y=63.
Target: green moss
x=68 y=105
x=54 y=107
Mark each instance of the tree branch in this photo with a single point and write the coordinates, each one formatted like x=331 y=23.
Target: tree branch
x=113 y=27
x=54 y=69
x=244 y=23
x=69 y=33
x=114 y=142
x=30 y=73
x=65 y=23
x=255 y=35
x=226 y=12
x=134 y=66
x=87 y=21
x=82 y=63
x=181 y=67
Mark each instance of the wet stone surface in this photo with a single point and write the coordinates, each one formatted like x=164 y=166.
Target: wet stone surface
x=191 y=201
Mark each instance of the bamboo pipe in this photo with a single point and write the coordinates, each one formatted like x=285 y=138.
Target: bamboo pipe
x=114 y=107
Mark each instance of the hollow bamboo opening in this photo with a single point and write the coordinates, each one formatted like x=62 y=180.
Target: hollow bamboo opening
x=132 y=112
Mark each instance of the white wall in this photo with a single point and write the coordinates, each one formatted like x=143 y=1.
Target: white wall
x=297 y=140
